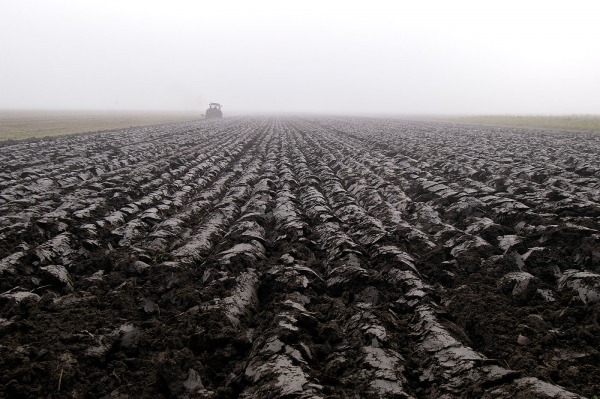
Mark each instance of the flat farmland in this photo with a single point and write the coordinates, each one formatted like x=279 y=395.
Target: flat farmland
x=589 y=123
x=19 y=125
x=301 y=258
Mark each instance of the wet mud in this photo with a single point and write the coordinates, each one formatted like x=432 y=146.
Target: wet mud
x=301 y=258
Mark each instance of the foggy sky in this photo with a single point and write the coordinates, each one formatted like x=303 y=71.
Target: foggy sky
x=395 y=57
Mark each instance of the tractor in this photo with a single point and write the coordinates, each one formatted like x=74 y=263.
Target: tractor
x=214 y=111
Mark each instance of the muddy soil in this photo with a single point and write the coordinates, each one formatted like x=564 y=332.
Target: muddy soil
x=301 y=258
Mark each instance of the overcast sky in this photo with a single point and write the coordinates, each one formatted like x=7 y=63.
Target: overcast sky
x=401 y=57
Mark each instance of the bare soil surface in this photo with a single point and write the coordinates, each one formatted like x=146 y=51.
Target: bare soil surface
x=301 y=258
x=20 y=125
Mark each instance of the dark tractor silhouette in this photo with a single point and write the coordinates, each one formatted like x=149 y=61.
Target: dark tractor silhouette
x=214 y=111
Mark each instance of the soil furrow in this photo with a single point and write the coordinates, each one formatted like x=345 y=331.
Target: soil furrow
x=301 y=257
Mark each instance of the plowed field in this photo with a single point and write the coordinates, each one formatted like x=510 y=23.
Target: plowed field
x=301 y=258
